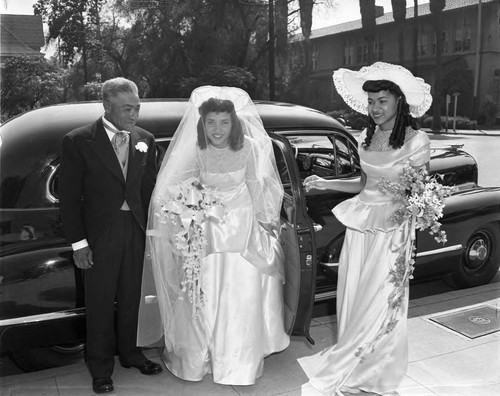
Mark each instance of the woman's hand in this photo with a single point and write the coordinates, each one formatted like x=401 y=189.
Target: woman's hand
x=316 y=182
x=270 y=228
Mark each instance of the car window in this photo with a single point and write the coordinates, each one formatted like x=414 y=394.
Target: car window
x=328 y=155
x=282 y=168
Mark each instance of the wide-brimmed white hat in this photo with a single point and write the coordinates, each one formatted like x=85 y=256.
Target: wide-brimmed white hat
x=349 y=84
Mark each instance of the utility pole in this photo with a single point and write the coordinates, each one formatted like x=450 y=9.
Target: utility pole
x=477 y=65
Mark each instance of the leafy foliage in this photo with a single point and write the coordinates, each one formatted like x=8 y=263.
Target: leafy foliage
x=72 y=23
x=30 y=82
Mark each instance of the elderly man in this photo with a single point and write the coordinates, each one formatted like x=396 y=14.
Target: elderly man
x=108 y=171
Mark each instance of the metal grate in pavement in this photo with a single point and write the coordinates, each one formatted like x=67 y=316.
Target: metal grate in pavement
x=471 y=322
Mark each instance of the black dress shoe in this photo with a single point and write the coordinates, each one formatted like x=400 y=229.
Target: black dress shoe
x=147 y=368
x=102 y=385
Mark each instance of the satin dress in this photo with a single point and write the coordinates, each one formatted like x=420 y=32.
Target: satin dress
x=242 y=320
x=370 y=355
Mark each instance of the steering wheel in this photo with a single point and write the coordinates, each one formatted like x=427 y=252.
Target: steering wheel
x=295 y=150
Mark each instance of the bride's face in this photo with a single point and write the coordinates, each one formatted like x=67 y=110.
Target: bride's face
x=218 y=128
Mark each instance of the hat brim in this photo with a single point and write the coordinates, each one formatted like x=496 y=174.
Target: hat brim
x=349 y=85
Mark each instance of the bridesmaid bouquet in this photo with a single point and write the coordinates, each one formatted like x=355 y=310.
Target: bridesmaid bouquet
x=422 y=202
x=192 y=204
x=422 y=197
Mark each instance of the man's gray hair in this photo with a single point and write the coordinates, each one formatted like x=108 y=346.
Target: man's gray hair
x=118 y=85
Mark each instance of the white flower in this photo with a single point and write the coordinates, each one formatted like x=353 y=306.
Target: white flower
x=189 y=206
x=142 y=147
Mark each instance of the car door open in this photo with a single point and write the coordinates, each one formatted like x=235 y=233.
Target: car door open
x=297 y=238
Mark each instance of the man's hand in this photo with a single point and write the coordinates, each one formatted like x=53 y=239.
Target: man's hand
x=83 y=258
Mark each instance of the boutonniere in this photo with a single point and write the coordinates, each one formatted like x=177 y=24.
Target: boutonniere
x=142 y=147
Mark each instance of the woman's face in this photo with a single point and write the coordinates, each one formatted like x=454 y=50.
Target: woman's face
x=218 y=128
x=382 y=107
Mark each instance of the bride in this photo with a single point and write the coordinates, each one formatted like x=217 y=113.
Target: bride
x=213 y=269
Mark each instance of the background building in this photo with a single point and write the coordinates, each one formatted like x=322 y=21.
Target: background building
x=470 y=58
x=20 y=35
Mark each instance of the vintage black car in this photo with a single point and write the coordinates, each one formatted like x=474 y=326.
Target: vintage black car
x=41 y=314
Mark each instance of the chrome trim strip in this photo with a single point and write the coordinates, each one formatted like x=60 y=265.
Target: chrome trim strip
x=41 y=317
x=48 y=193
x=325 y=296
x=329 y=265
x=441 y=250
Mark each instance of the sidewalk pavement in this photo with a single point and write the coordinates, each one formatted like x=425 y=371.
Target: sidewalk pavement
x=441 y=361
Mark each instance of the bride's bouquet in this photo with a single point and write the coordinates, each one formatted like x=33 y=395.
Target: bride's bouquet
x=190 y=206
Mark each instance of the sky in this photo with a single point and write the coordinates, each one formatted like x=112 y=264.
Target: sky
x=342 y=10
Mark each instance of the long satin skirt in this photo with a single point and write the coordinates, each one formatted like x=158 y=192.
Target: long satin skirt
x=366 y=357
x=242 y=322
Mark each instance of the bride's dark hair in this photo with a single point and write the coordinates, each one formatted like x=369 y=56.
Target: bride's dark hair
x=215 y=105
x=403 y=116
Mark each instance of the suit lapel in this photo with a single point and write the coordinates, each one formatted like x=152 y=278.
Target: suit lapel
x=100 y=143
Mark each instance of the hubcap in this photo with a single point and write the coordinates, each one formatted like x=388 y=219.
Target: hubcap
x=478 y=254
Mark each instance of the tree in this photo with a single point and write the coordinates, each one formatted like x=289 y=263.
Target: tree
x=281 y=33
x=399 y=13
x=415 y=37
x=30 y=82
x=75 y=26
x=436 y=7
x=174 y=43
x=368 y=21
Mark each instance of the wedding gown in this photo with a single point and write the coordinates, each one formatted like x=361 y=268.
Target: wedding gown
x=242 y=319
x=371 y=353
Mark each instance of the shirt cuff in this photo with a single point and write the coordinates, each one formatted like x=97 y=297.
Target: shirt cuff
x=79 y=245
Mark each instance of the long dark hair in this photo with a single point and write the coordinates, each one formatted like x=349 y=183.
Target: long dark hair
x=215 y=105
x=403 y=116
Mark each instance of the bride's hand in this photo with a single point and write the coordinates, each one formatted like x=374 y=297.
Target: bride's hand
x=314 y=181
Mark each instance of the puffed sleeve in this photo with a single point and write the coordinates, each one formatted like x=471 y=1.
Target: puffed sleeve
x=422 y=154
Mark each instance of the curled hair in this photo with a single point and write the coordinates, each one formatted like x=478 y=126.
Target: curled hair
x=215 y=105
x=118 y=85
x=403 y=116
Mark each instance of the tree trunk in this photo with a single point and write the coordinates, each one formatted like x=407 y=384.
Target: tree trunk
x=281 y=51
x=306 y=7
x=415 y=37
x=368 y=21
x=399 y=13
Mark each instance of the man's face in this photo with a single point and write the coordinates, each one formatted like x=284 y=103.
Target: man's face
x=123 y=110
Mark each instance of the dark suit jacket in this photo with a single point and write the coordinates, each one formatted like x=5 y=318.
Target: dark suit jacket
x=92 y=186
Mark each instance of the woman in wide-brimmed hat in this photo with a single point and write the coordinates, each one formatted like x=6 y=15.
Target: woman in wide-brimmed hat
x=371 y=353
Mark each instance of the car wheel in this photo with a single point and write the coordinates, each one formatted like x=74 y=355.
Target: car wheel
x=480 y=259
x=48 y=357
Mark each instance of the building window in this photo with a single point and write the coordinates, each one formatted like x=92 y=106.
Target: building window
x=467 y=35
x=348 y=52
x=378 y=49
x=445 y=43
x=362 y=52
x=424 y=45
x=315 y=57
x=462 y=35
